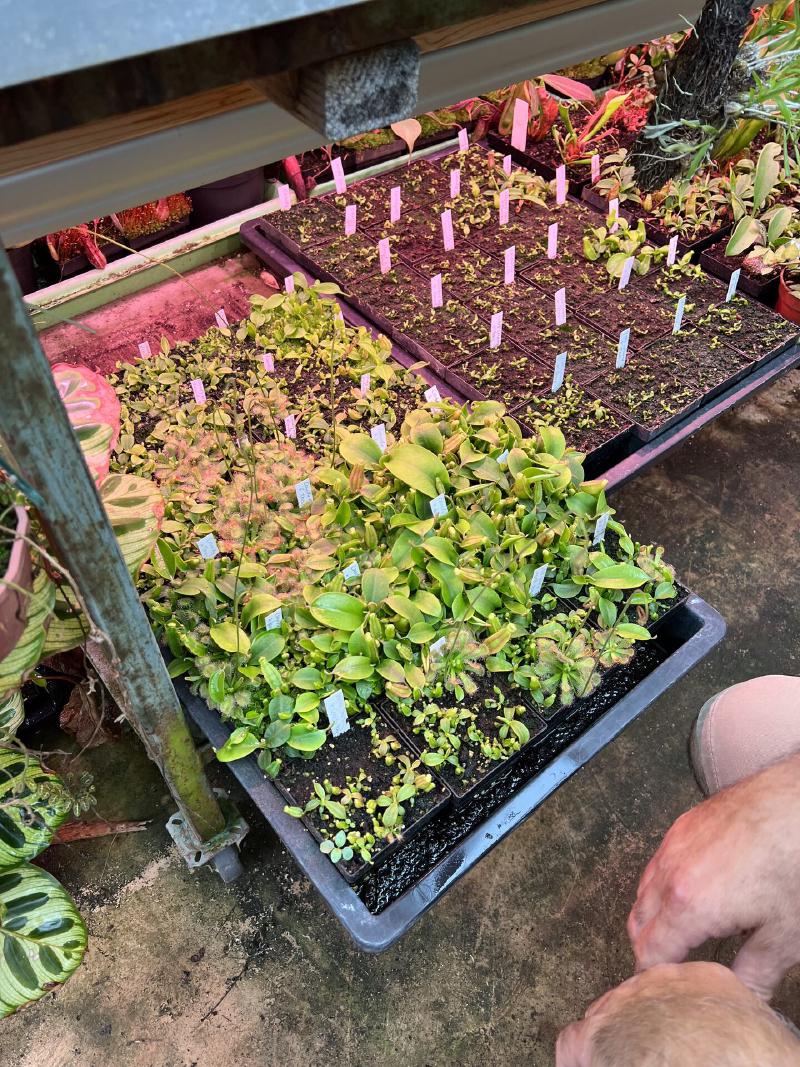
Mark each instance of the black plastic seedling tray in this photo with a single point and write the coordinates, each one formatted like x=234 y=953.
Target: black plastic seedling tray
x=762 y=289
x=392 y=898
x=538 y=166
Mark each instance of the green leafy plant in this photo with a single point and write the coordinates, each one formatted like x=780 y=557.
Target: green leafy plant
x=615 y=246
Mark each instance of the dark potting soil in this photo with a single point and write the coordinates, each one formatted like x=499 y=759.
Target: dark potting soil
x=700 y=290
x=526 y=310
x=477 y=166
x=697 y=357
x=395 y=295
x=648 y=313
x=589 y=352
x=586 y=421
x=661 y=234
x=413 y=179
x=448 y=333
x=311 y=223
x=583 y=280
x=465 y=271
x=646 y=395
x=413 y=235
x=339 y=762
x=747 y=326
x=528 y=235
x=408 y=864
x=506 y=374
x=349 y=258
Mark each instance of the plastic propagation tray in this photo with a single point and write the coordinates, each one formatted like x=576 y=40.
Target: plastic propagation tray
x=391 y=898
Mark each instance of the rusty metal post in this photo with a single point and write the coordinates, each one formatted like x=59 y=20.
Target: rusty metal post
x=38 y=438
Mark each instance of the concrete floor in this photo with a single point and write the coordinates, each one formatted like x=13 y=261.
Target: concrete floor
x=183 y=971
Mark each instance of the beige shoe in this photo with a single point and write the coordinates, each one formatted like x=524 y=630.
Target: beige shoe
x=744 y=729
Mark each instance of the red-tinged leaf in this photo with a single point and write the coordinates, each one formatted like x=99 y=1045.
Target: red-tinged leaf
x=569 y=87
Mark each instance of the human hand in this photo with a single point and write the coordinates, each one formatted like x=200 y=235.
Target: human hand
x=678 y=1014
x=729 y=866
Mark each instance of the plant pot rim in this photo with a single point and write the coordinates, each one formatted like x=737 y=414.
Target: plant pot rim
x=13 y=605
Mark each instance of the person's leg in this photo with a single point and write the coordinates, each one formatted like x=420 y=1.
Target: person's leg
x=744 y=729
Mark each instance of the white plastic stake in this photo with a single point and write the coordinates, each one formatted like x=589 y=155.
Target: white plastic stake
x=600 y=528
x=365 y=383
x=558 y=372
x=455 y=183
x=679 y=314
x=503 y=456
x=507 y=164
x=509 y=263
x=384 y=255
x=437 y=648
x=432 y=395
x=274 y=619
x=505 y=205
x=561 y=306
x=352 y=570
x=303 y=493
x=519 y=127
x=338 y=175
x=269 y=362
x=733 y=283
x=221 y=319
x=350 y=220
x=394 y=204
x=207 y=546
x=561 y=184
x=537 y=580
x=613 y=212
x=336 y=710
x=144 y=350
x=199 y=391
x=378 y=435
x=496 y=330
x=672 y=250
x=439 y=506
x=436 y=291
x=622 y=347
x=288 y=283
x=627 y=267
x=463 y=140
x=284 y=197
x=595 y=164
x=447 y=230
x=290 y=426
x=552 y=240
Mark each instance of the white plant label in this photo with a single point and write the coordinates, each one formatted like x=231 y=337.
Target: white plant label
x=439 y=506
x=503 y=456
x=507 y=164
x=455 y=183
x=463 y=140
x=274 y=619
x=144 y=350
x=595 y=164
x=519 y=127
x=338 y=175
x=198 y=390
x=558 y=372
x=672 y=248
x=432 y=394
x=561 y=307
x=207 y=546
x=622 y=347
x=600 y=528
x=496 y=330
x=269 y=362
x=290 y=426
x=509 y=265
x=284 y=197
x=350 y=220
x=552 y=240
x=336 y=710
x=384 y=255
x=365 y=384
x=303 y=493
x=437 y=648
x=394 y=204
x=679 y=314
x=733 y=283
x=378 y=435
x=625 y=277
x=561 y=184
x=613 y=214
x=537 y=580
x=505 y=204
x=221 y=319
x=288 y=283
x=447 y=230
x=436 y=291
x=352 y=570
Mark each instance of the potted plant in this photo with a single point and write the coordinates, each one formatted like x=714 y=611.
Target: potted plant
x=15 y=568
x=788 y=303
x=218 y=200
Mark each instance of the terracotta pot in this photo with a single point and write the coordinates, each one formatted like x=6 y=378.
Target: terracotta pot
x=226 y=197
x=14 y=604
x=788 y=304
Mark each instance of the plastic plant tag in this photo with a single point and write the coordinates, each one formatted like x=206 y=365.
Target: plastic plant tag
x=505 y=203
x=436 y=291
x=507 y=164
x=561 y=184
x=290 y=425
x=447 y=230
x=336 y=710
x=537 y=580
x=600 y=527
x=519 y=127
x=561 y=307
x=378 y=435
x=432 y=394
x=221 y=319
x=552 y=240
x=733 y=283
x=679 y=314
x=439 y=506
x=288 y=283
x=274 y=619
x=595 y=164
x=503 y=456
x=384 y=255
x=365 y=383
x=394 y=204
x=496 y=330
x=144 y=350
x=207 y=546
x=509 y=263
x=558 y=372
x=455 y=183
x=284 y=197
x=622 y=347
x=463 y=140
x=437 y=648
x=350 y=220
x=269 y=362
x=625 y=277
x=199 y=391
x=338 y=175
x=352 y=570
x=303 y=493
x=672 y=250
x=613 y=214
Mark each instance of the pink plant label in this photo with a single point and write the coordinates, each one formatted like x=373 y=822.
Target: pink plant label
x=439 y=506
x=350 y=220
x=507 y=164
x=436 y=291
x=432 y=394
x=303 y=493
x=198 y=390
x=627 y=267
x=336 y=710
x=733 y=283
x=558 y=372
x=207 y=546
x=672 y=250
x=509 y=263
x=552 y=240
x=385 y=255
x=463 y=140
x=394 y=204
x=365 y=383
x=290 y=425
x=288 y=283
x=622 y=347
x=447 y=230
x=338 y=175
x=537 y=580
x=221 y=319
x=144 y=350
x=269 y=362
x=613 y=214
x=600 y=527
x=519 y=126
x=595 y=165
x=505 y=204
x=378 y=435
x=284 y=197
x=561 y=307
x=679 y=314
x=455 y=183
x=561 y=184
x=274 y=619
x=496 y=330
